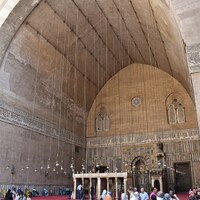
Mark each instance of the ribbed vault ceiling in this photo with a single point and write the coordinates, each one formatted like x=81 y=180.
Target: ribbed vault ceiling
x=100 y=37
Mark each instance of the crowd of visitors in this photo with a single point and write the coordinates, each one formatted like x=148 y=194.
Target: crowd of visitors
x=16 y=195
x=13 y=194
x=154 y=195
x=133 y=194
x=194 y=194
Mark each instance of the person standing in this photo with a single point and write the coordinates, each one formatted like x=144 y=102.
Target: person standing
x=79 y=190
x=160 y=195
x=8 y=195
x=192 y=193
x=134 y=195
x=92 y=192
x=28 y=198
x=167 y=196
x=124 y=196
x=83 y=193
x=108 y=196
x=198 y=194
x=103 y=195
x=193 y=197
x=143 y=194
x=153 y=195
x=173 y=195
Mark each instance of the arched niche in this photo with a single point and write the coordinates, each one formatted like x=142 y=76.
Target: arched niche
x=102 y=120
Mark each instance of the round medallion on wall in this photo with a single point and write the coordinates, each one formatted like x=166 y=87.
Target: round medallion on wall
x=136 y=101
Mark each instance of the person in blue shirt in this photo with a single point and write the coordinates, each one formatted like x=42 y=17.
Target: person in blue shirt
x=143 y=195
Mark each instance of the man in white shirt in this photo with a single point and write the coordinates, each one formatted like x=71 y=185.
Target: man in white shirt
x=124 y=196
x=134 y=195
x=79 y=188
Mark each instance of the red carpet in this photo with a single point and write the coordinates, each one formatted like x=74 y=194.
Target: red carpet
x=184 y=196
x=50 y=198
x=180 y=196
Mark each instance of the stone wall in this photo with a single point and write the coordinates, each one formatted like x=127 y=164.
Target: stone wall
x=136 y=101
x=39 y=78
x=187 y=15
x=120 y=151
x=49 y=92
x=42 y=99
x=153 y=89
x=29 y=145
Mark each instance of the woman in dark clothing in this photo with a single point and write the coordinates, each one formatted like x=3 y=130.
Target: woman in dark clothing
x=8 y=195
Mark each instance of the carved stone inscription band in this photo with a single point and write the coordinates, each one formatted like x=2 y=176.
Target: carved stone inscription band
x=26 y=120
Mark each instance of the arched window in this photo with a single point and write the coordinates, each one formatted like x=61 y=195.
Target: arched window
x=99 y=123
x=106 y=122
x=175 y=112
x=171 y=114
x=180 y=113
x=102 y=121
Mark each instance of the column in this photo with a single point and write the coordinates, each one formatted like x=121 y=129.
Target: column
x=152 y=181
x=83 y=183
x=74 y=196
x=83 y=187
x=116 y=187
x=161 y=184
x=89 y=193
x=107 y=179
x=98 y=188
x=125 y=182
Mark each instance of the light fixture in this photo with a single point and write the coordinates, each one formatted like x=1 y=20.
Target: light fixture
x=57 y=163
x=97 y=165
x=13 y=169
x=107 y=169
x=83 y=168
x=46 y=173
x=72 y=166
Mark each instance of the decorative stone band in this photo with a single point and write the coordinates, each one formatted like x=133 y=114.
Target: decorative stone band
x=143 y=138
x=25 y=120
x=193 y=57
